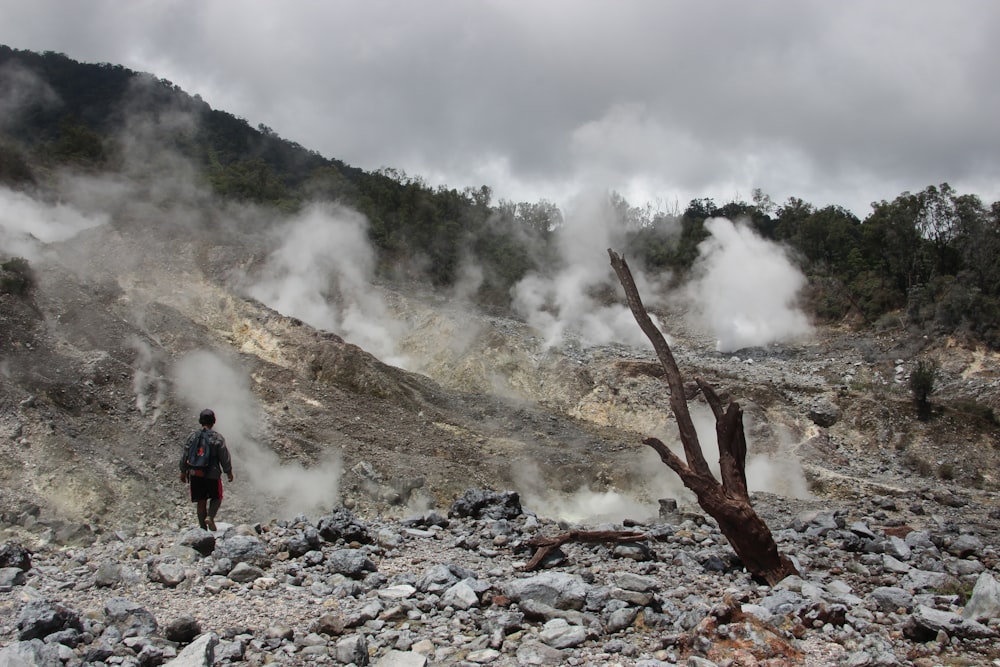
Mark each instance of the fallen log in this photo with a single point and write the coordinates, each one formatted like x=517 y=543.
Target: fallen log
x=545 y=545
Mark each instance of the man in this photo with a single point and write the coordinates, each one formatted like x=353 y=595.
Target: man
x=204 y=460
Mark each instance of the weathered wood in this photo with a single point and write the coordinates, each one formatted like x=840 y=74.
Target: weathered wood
x=545 y=545
x=729 y=502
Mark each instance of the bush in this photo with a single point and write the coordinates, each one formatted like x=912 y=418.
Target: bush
x=922 y=385
x=16 y=277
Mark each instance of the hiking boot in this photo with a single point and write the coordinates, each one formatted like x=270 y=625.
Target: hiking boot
x=210 y=522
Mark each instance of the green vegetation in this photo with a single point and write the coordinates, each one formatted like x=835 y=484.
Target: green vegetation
x=929 y=260
x=16 y=277
x=922 y=386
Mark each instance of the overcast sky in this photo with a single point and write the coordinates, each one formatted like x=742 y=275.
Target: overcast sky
x=844 y=102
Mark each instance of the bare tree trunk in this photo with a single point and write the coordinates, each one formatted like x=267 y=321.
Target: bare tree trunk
x=728 y=503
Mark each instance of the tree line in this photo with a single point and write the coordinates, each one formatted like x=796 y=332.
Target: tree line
x=928 y=260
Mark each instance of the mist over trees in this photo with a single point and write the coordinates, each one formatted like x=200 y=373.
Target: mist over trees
x=928 y=260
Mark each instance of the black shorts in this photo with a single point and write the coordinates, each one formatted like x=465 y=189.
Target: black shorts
x=205 y=488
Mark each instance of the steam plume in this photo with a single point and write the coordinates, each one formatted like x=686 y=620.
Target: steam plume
x=746 y=288
x=206 y=380
x=322 y=272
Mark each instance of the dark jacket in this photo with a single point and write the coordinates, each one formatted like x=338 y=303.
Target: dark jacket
x=221 y=462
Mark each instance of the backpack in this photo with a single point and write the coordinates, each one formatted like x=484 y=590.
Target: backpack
x=199 y=454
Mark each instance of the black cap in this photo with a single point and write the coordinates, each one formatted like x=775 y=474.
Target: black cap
x=206 y=417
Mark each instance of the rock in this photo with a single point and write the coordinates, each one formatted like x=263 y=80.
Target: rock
x=984 y=604
x=559 y=634
x=352 y=563
x=480 y=504
x=199 y=539
x=40 y=618
x=556 y=589
x=926 y=622
x=244 y=573
x=890 y=598
x=168 y=574
x=31 y=653
x=460 y=596
x=11 y=577
x=13 y=554
x=341 y=524
x=129 y=618
x=402 y=659
x=824 y=412
x=182 y=629
x=199 y=653
x=108 y=574
x=242 y=549
x=352 y=649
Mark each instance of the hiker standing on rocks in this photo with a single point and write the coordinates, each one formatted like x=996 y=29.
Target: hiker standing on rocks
x=204 y=460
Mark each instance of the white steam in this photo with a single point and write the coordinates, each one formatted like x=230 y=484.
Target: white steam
x=777 y=472
x=26 y=224
x=574 y=300
x=746 y=288
x=148 y=384
x=207 y=381
x=322 y=274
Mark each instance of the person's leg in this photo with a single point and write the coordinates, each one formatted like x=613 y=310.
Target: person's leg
x=203 y=513
x=214 y=503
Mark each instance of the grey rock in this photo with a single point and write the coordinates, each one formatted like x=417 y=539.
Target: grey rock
x=11 y=577
x=341 y=524
x=352 y=649
x=353 y=563
x=129 y=618
x=199 y=653
x=926 y=622
x=40 y=618
x=890 y=598
x=402 y=659
x=199 y=539
x=824 y=412
x=31 y=653
x=13 y=554
x=242 y=549
x=480 y=504
x=244 y=573
x=965 y=546
x=559 y=634
x=536 y=653
x=460 y=596
x=556 y=589
x=303 y=542
x=984 y=605
x=108 y=574
x=182 y=629
x=168 y=574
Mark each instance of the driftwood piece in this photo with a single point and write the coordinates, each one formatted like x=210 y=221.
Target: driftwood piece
x=545 y=545
x=727 y=502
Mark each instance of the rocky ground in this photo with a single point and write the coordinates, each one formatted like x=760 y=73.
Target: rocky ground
x=893 y=519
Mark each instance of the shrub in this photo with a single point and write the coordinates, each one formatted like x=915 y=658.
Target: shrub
x=16 y=277
x=922 y=385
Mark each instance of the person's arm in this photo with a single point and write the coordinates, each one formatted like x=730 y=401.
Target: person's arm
x=183 y=463
x=225 y=460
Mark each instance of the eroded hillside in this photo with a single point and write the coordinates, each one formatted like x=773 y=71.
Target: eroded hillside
x=131 y=330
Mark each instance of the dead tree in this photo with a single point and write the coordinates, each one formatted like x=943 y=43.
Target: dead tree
x=729 y=502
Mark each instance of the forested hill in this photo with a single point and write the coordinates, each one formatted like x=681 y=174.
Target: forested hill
x=928 y=260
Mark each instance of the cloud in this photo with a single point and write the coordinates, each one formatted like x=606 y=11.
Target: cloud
x=837 y=104
x=745 y=288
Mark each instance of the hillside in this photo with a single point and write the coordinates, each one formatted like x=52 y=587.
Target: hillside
x=343 y=379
